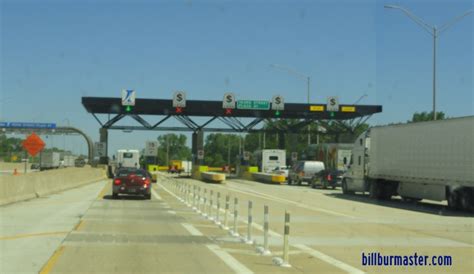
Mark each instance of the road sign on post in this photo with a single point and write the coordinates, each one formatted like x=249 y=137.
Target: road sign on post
x=33 y=144
x=200 y=154
x=128 y=97
x=333 y=104
x=278 y=103
x=229 y=101
x=100 y=149
x=294 y=156
x=179 y=99
x=246 y=155
x=151 y=148
x=250 y=104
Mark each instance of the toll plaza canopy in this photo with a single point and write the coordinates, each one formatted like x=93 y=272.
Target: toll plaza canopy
x=214 y=109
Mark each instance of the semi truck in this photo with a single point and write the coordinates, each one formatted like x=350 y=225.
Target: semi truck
x=49 y=160
x=425 y=160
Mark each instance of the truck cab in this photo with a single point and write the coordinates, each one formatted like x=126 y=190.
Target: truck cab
x=354 y=178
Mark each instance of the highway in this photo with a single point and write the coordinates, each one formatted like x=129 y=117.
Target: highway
x=83 y=230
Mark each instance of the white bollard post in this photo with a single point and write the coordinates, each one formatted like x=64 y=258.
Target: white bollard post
x=286 y=246
x=205 y=203
x=235 y=232
x=199 y=200
x=266 y=250
x=209 y=214
x=226 y=213
x=249 y=224
x=218 y=203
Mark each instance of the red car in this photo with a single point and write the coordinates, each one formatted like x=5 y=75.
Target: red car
x=132 y=181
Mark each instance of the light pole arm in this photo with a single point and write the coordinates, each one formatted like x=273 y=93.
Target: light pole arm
x=290 y=70
x=454 y=21
x=428 y=28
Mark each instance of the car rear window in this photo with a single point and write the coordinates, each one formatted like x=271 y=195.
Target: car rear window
x=128 y=155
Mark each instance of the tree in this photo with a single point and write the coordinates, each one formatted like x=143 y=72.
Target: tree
x=426 y=116
x=172 y=147
x=220 y=148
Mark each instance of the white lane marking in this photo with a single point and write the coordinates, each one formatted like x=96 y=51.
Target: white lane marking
x=191 y=229
x=156 y=195
x=274 y=198
x=328 y=259
x=229 y=260
x=171 y=212
x=307 y=249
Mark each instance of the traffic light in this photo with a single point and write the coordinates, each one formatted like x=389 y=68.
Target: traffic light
x=128 y=108
x=179 y=110
x=228 y=111
x=332 y=114
x=277 y=113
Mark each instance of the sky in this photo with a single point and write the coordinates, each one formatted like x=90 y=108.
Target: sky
x=55 y=52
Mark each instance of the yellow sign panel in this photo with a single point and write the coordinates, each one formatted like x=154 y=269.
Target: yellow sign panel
x=348 y=109
x=316 y=108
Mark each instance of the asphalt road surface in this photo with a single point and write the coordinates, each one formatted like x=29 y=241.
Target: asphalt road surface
x=85 y=231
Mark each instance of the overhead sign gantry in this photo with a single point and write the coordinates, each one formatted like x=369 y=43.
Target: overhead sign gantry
x=228 y=111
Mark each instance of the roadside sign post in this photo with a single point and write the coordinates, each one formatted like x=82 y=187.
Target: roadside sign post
x=33 y=144
x=100 y=149
x=151 y=148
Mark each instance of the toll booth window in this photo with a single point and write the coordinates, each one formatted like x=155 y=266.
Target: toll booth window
x=128 y=155
x=360 y=141
x=274 y=158
x=359 y=160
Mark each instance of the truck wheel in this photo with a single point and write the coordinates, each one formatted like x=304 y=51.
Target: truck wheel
x=466 y=200
x=374 y=190
x=453 y=200
x=148 y=196
x=325 y=184
x=299 y=182
x=114 y=196
x=345 y=190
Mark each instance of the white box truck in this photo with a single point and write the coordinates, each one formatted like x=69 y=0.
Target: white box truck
x=426 y=160
x=128 y=158
x=269 y=159
x=69 y=160
x=49 y=160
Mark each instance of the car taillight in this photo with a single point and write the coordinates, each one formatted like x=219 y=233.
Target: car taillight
x=329 y=177
x=117 y=182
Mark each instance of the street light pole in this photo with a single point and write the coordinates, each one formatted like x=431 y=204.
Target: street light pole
x=308 y=84
x=435 y=32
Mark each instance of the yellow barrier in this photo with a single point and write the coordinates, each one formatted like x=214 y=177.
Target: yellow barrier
x=278 y=179
x=213 y=177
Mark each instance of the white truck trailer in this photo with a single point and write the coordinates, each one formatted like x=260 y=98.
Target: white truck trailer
x=49 y=160
x=335 y=156
x=426 y=160
x=269 y=159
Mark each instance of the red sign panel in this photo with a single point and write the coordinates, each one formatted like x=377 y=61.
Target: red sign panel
x=33 y=144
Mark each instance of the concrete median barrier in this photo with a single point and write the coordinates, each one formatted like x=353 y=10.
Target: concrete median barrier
x=268 y=178
x=213 y=177
x=38 y=184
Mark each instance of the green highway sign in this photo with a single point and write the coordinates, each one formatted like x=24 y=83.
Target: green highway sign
x=252 y=104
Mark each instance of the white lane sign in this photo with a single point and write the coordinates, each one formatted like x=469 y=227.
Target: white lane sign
x=128 y=97
x=229 y=101
x=332 y=104
x=151 y=148
x=179 y=99
x=200 y=155
x=246 y=155
x=294 y=156
x=278 y=103
x=100 y=149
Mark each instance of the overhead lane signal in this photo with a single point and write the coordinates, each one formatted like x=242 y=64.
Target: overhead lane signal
x=179 y=101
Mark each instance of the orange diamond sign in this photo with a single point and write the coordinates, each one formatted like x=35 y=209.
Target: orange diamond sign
x=33 y=144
